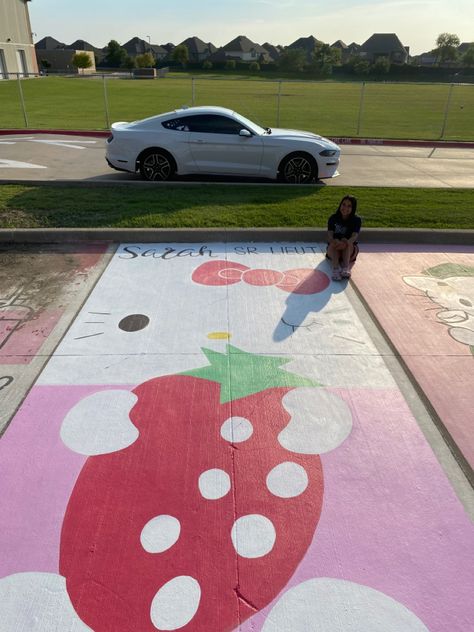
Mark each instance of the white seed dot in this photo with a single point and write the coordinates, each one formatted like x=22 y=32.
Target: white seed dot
x=287 y=480
x=253 y=536
x=160 y=533
x=175 y=603
x=214 y=484
x=236 y=429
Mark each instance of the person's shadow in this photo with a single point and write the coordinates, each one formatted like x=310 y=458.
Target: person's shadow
x=299 y=305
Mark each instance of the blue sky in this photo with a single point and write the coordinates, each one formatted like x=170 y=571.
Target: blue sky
x=416 y=22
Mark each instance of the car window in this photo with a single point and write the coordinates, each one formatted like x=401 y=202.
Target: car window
x=177 y=124
x=213 y=124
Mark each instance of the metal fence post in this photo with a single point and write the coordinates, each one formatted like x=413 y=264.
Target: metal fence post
x=192 y=91
x=22 y=100
x=106 y=103
x=446 y=110
x=278 y=102
x=361 y=108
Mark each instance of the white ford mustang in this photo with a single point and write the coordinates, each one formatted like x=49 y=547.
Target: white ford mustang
x=218 y=141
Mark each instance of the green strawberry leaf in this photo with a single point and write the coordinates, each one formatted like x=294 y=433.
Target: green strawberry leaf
x=241 y=373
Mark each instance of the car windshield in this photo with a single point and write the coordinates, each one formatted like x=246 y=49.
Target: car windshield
x=250 y=124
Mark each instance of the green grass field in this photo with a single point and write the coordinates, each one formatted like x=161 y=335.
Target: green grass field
x=177 y=206
x=390 y=110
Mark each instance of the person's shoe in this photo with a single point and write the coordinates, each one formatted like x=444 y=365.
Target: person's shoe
x=336 y=275
x=346 y=273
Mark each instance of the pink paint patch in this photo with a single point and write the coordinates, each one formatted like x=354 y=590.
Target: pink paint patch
x=37 y=475
x=304 y=281
x=24 y=338
x=390 y=519
x=262 y=277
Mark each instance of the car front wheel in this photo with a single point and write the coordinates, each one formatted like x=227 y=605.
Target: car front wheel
x=297 y=169
x=157 y=164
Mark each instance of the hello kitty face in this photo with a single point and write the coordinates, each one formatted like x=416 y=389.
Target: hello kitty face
x=455 y=296
x=152 y=315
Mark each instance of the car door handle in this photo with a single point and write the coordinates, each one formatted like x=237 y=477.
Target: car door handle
x=198 y=142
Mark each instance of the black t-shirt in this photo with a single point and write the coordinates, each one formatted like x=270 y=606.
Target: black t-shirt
x=344 y=229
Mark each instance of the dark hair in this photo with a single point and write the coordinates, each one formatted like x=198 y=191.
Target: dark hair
x=353 y=202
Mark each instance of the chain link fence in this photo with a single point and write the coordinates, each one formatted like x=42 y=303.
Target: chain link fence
x=335 y=109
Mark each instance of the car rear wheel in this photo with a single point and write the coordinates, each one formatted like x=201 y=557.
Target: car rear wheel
x=298 y=168
x=157 y=164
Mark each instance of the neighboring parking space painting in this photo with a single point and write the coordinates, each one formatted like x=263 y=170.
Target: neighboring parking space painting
x=424 y=300
x=37 y=288
x=217 y=445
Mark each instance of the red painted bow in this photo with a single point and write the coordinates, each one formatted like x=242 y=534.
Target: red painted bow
x=297 y=281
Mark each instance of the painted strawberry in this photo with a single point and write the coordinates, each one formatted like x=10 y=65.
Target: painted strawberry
x=202 y=521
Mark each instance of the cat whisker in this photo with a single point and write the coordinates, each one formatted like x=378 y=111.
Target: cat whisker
x=90 y=335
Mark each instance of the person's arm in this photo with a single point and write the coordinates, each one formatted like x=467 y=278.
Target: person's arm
x=355 y=235
x=331 y=231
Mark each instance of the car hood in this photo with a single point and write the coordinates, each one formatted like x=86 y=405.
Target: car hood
x=296 y=134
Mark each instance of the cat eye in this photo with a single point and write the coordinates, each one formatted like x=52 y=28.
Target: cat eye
x=465 y=302
x=134 y=322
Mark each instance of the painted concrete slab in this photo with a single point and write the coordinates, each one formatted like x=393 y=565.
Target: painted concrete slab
x=41 y=289
x=424 y=300
x=217 y=444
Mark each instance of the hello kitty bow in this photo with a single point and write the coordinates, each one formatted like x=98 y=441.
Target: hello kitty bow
x=297 y=280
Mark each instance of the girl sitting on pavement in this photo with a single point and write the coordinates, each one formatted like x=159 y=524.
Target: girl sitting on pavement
x=343 y=232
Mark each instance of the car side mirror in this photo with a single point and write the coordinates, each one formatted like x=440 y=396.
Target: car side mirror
x=245 y=132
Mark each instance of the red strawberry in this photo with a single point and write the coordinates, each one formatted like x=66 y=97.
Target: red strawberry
x=202 y=521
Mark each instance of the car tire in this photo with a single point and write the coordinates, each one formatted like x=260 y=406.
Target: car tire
x=298 y=168
x=156 y=164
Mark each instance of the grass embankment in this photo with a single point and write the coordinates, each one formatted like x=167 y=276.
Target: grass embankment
x=178 y=206
x=388 y=110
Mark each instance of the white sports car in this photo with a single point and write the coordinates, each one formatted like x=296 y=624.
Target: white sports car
x=218 y=141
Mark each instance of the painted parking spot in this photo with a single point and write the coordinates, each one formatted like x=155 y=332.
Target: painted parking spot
x=39 y=291
x=432 y=294
x=206 y=453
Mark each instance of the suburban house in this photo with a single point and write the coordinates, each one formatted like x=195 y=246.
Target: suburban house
x=137 y=46
x=60 y=60
x=241 y=48
x=82 y=45
x=49 y=43
x=55 y=56
x=429 y=58
x=307 y=44
x=17 y=51
x=273 y=51
x=384 y=45
x=198 y=50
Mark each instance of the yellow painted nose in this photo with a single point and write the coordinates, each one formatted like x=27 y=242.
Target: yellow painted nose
x=219 y=335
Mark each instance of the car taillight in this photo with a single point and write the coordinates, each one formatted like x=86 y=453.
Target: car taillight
x=110 y=138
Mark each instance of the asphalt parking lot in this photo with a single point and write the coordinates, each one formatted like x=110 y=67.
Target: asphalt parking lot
x=48 y=157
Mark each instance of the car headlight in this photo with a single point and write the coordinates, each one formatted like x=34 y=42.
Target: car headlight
x=328 y=152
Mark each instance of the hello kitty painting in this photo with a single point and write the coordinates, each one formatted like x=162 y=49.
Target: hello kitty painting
x=217 y=444
x=451 y=286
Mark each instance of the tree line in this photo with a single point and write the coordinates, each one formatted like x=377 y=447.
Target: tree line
x=319 y=63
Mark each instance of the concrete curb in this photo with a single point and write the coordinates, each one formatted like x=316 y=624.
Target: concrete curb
x=191 y=235
x=340 y=140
